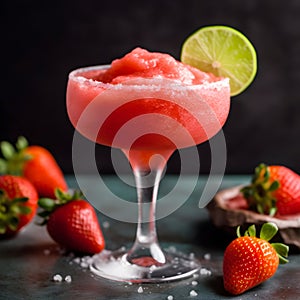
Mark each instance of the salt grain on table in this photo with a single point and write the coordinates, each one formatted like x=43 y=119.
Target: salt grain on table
x=57 y=278
x=204 y=271
x=193 y=293
x=207 y=256
x=194 y=282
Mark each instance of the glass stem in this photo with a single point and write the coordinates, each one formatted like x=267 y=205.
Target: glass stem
x=146 y=250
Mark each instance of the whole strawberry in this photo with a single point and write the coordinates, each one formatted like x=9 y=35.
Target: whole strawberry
x=249 y=260
x=72 y=222
x=35 y=163
x=274 y=190
x=18 y=204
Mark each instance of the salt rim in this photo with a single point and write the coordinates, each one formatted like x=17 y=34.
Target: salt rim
x=155 y=82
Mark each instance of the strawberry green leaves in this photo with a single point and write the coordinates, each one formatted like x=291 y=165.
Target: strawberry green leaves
x=13 y=156
x=10 y=211
x=268 y=231
x=49 y=205
x=260 y=192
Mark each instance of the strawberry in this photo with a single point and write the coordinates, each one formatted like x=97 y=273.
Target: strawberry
x=274 y=190
x=72 y=222
x=249 y=260
x=18 y=204
x=35 y=163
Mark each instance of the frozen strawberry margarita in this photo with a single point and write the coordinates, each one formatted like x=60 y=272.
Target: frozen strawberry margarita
x=148 y=105
x=147 y=102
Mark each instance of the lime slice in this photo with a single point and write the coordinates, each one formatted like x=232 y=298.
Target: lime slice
x=223 y=51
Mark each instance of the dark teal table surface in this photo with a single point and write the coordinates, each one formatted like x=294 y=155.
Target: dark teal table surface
x=29 y=261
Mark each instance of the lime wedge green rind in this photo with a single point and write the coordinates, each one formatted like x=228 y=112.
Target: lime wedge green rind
x=223 y=51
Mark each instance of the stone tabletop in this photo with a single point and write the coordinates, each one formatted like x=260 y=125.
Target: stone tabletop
x=30 y=262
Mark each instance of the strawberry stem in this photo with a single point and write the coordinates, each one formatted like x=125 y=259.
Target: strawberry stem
x=259 y=194
x=14 y=157
x=10 y=210
x=49 y=205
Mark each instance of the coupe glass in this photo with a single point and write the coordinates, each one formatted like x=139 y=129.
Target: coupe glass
x=148 y=119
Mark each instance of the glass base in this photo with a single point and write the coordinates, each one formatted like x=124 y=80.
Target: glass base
x=114 y=265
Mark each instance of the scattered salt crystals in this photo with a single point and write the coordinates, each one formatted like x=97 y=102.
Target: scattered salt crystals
x=57 y=278
x=140 y=290
x=87 y=259
x=193 y=264
x=47 y=251
x=204 y=271
x=170 y=297
x=193 y=293
x=152 y=268
x=194 y=282
x=207 y=256
x=68 y=278
x=77 y=260
x=172 y=249
x=105 y=224
x=84 y=264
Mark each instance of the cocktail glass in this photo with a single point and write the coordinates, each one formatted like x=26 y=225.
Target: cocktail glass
x=148 y=119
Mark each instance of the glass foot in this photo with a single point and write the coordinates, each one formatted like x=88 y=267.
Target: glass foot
x=114 y=265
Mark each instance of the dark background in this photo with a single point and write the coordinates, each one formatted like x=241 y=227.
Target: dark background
x=41 y=41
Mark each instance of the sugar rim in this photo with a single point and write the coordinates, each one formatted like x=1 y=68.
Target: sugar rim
x=154 y=82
